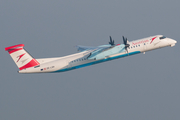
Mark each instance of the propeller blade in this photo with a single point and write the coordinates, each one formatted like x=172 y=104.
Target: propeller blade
x=125 y=43
x=110 y=38
x=124 y=40
x=111 y=41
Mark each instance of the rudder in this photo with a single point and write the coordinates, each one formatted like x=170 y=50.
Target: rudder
x=22 y=58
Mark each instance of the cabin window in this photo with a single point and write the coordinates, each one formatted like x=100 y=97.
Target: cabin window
x=163 y=37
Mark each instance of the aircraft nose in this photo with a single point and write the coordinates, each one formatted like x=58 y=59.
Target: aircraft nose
x=172 y=42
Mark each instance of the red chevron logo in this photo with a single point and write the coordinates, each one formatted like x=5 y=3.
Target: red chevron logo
x=20 y=56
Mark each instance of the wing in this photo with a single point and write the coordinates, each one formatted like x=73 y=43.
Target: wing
x=101 y=52
x=104 y=51
x=81 y=48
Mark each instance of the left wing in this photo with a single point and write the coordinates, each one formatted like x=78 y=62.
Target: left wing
x=103 y=51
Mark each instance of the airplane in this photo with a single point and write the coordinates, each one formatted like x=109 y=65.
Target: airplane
x=86 y=56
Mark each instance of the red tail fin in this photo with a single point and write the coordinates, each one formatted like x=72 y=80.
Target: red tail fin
x=22 y=59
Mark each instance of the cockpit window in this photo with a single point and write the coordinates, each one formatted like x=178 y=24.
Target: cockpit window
x=163 y=37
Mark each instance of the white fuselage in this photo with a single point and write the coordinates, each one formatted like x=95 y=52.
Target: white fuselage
x=78 y=60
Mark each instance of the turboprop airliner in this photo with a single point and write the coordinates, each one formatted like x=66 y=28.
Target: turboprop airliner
x=86 y=56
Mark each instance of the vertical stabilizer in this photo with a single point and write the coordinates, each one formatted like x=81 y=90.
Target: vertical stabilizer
x=22 y=59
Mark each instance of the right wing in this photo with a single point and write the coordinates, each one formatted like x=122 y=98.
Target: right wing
x=81 y=48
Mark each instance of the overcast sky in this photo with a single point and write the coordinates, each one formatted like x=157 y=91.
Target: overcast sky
x=139 y=87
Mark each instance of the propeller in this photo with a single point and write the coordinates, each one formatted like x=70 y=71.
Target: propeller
x=111 y=41
x=125 y=43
